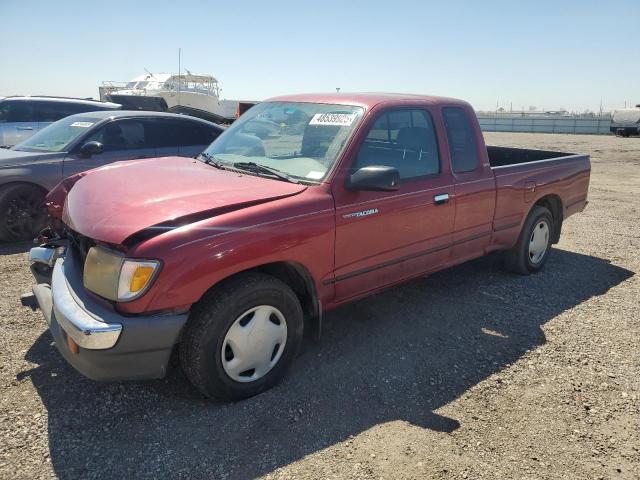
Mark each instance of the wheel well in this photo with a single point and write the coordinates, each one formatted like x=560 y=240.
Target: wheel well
x=298 y=278
x=553 y=203
x=28 y=184
x=302 y=284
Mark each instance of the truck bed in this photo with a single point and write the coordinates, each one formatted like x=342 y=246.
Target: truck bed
x=527 y=174
x=503 y=156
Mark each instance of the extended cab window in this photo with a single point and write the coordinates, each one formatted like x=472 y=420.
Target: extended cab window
x=403 y=139
x=462 y=140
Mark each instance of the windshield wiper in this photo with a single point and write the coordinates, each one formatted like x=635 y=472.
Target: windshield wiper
x=211 y=160
x=257 y=168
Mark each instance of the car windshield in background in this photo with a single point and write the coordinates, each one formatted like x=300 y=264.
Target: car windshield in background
x=301 y=140
x=57 y=136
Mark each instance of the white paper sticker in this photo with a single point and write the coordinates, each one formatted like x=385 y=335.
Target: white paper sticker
x=82 y=124
x=315 y=175
x=336 y=119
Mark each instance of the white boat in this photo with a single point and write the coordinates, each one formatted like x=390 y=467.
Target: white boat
x=196 y=95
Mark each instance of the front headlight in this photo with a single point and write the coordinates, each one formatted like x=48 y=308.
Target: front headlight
x=115 y=277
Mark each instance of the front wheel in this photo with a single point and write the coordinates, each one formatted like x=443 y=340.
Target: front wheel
x=22 y=212
x=242 y=337
x=534 y=243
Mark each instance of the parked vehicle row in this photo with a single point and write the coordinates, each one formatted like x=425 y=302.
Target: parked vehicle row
x=231 y=258
x=21 y=117
x=82 y=142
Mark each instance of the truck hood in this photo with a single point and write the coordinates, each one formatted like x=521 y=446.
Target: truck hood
x=16 y=158
x=112 y=203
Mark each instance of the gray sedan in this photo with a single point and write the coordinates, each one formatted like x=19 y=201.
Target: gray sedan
x=81 y=142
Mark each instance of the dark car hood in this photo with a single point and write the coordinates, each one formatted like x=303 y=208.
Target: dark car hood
x=112 y=203
x=16 y=158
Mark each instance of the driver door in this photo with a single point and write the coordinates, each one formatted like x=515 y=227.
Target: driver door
x=125 y=139
x=385 y=237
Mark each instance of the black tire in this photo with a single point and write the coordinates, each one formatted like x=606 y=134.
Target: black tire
x=22 y=212
x=519 y=259
x=210 y=320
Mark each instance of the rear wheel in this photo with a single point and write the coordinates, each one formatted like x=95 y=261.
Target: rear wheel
x=22 y=212
x=242 y=337
x=534 y=244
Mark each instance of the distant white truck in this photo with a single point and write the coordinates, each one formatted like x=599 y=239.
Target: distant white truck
x=626 y=121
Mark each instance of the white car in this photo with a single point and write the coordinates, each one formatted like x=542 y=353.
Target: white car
x=21 y=117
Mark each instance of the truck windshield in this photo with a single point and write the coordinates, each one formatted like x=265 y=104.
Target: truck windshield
x=302 y=140
x=59 y=135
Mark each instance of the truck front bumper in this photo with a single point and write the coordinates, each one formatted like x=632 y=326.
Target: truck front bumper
x=95 y=339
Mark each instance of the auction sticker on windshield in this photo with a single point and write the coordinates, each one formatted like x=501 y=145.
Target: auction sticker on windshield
x=335 y=119
x=82 y=124
x=315 y=175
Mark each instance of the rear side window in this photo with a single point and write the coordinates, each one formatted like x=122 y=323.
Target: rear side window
x=49 y=111
x=16 y=111
x=4 y=112
x=462 y=140
x=52 y=111
x=179 y=133
x=403 y=139
x=198 y=134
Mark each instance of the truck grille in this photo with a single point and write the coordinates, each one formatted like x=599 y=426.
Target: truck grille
x=80 y=244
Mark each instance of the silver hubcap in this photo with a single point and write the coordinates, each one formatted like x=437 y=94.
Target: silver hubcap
x=254 y=343
x=539 y=241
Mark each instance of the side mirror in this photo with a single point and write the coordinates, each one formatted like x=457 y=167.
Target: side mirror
x=91 y=148
x=374 y=178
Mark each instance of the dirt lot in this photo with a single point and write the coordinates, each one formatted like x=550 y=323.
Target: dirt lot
x=471 y=373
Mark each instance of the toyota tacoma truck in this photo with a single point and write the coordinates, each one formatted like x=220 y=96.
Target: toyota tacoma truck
x=229 y=258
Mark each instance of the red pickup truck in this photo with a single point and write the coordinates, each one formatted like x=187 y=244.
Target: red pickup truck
x=306 y=202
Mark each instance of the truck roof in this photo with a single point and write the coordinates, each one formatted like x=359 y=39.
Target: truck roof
x=366 y=100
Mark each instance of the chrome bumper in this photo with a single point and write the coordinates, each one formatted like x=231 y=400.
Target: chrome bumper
x=89 y=329
x=113 y=347
x=45 y=255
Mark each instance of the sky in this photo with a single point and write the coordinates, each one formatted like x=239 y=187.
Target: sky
x=548 y=54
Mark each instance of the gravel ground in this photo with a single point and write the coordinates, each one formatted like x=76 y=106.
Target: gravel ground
x=470 y=373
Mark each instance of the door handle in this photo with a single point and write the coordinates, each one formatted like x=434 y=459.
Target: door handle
x=441 y=198
x=25 y=128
